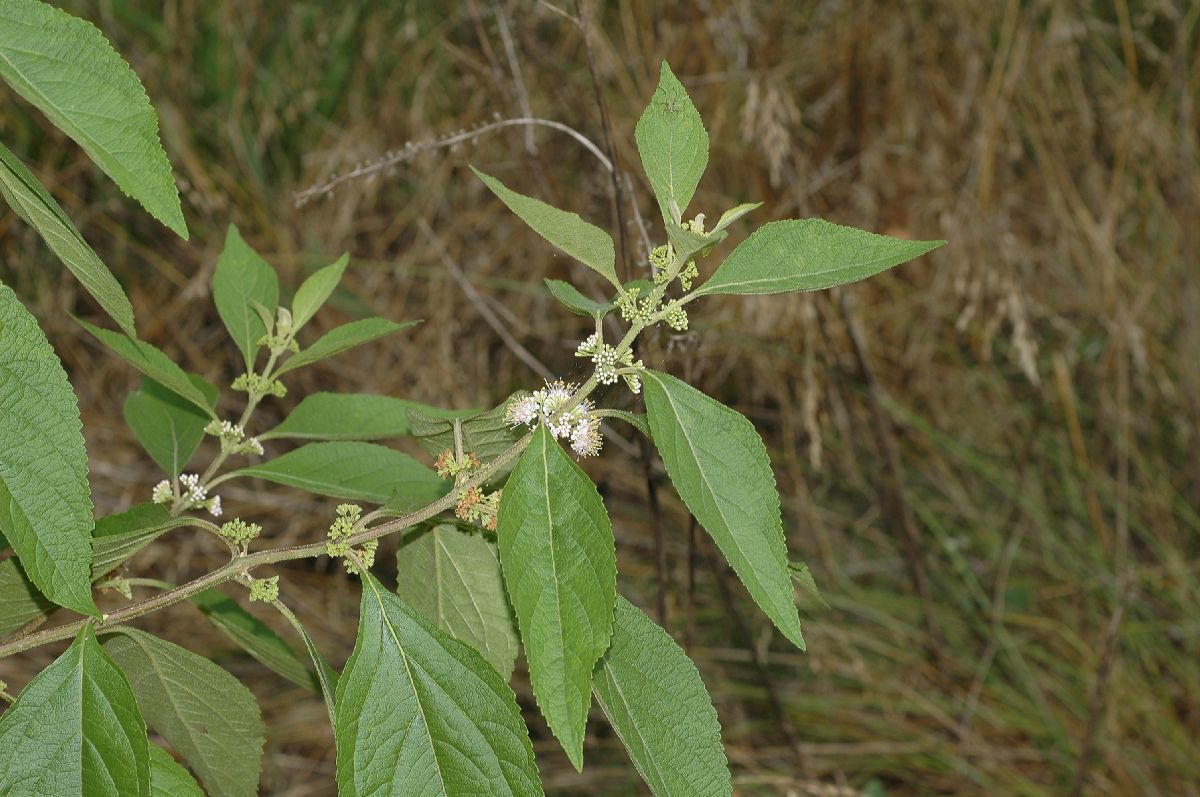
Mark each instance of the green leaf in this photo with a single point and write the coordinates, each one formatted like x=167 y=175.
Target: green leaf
x=152 y=363
x=804 y=579
x=241 y=280
x=453 y=579
x=569 y=297
x=733 y=214
x=487 y=434
x=167 y=426
x=168 y=779
x=636 y=420
x=34 y=204
x=67 y=69
x=118 y=537
x=653 y=696
x=45 y=501
x=720 y=468
x=75 y=729
x=20 y=601
x=339 y=339
x=352 y=471
x=673 y=145
x=808 y=255
x=687 y=243
x=201 y=710
x=313 y=292
x=351 y=416
x=327 y=677
x=421 y=714
x=560 y=567
x=254 y=636
x=583 y=241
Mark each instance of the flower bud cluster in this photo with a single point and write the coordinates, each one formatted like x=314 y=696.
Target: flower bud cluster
x=192 y=495
x=675 y=316
x=643 y=311
x=340 y=533
x=448 y=466
x=258 y=386
x=264 y=589
x=233 y=438
x=240 y=532
x=475 y=507
x=610 y=364
x=282 y=338
x=578 y=425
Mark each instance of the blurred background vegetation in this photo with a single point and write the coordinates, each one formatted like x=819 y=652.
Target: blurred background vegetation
x=987 y=457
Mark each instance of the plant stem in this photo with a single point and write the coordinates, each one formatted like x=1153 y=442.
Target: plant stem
x=243 y=564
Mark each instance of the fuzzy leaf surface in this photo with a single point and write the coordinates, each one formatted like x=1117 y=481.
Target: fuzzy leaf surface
x=254 y=636
x=420 y=714
x=168 y=778
x=719 y=466
x=673 y=145
x=808 y=255
x=201 y=710
x=313 y=292
x=168 y=427
x=352 y=471
x=118 y=537
x=151 y=362
x=75 y=729
x=559 y=563
x=242 y=280
x=33 y=203
x=351 y=416
x=582 y=240
x=653 y=696
x=65 y=67
x=485 y=433
x=339 y=339
x=45 y=500
x=453 y=579
x=570 y=297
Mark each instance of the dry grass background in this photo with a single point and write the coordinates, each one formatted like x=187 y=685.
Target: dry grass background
x=1010 y=423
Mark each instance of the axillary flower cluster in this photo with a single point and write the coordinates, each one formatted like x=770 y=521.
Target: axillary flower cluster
x=578 y=424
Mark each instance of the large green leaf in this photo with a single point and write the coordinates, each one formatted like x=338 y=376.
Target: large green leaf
x=560 y=567
x=421 y=714
x=582 y=240
x=653 y=696
x=168 y=427
x=254 y=636
x=570 y=297
x=152 y=363
x=453 y=579
x=673 y=145
x=339 y=339
x=353 y=471
x=20 y=601
x=201 y=710
x=241 y=281
x=486 y=434
x=65 y=67
x=719 y=465
x=168 y=779
x=118 y=537
x=351 y=416
x=45 y=501
x=808 y=255
x=75 y=729
x=313 y=292
x=34 y=204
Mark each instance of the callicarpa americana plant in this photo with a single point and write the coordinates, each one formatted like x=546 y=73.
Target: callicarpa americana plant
x=505 y=543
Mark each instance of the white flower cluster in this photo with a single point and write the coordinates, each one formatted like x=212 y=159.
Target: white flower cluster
x=578 y=425
x=193 y=494
x=610 y=364
x=233 y=438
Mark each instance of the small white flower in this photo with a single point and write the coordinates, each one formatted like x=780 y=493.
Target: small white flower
x=254 y=446
x=523 y=412
x=162 y=492
x=214 y=505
